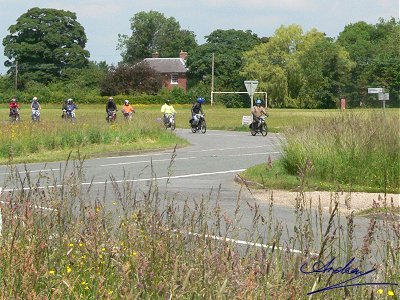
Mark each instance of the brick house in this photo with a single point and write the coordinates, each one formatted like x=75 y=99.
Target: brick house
x=173 y=70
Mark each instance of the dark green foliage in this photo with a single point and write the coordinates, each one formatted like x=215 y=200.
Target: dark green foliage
x=375 y=50
x=324 y=74
x=129 y=79
x=45 y=42
x=152 y=31
x=228 y=47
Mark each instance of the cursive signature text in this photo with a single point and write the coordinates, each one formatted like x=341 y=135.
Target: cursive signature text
x=321 y=267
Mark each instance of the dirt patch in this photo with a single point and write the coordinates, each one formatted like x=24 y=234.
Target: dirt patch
x=358 y=201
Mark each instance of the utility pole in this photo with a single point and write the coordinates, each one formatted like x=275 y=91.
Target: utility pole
x=212 y=79
x=16 y=76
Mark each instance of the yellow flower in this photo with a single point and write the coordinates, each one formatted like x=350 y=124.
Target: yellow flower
x=84 y=283
x=103 y=249
x=133 y=254
x=51 y=272
x=69 y=269
x=71 y=245
x=86 y=287
x=80 y=245
x=380 y=291
x=110 y=292
x=390 y=293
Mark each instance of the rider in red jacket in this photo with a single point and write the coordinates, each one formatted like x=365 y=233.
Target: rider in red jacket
x=13 y=104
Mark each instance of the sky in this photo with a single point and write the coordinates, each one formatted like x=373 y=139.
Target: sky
x=103 y=20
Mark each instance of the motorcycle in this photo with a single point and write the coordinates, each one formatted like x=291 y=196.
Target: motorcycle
x=111 y=116
x=169 y=121
x=260 y=127
x=198 y=123
x=69 y=113
x=14 y=114
x=35 y=115
x=127 y=116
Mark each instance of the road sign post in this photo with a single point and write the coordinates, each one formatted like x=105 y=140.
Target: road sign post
x=375 y=90
x=251 y=86
x=383 y=97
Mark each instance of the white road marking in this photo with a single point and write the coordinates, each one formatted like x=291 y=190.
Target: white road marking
x=34 y=206
x=146 y=161
x=31 y=171
x=240 y=242
x=183 y=158
x=178 y=151
x=134 y=180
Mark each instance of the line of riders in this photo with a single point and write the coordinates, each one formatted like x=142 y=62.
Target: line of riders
x=197 y=121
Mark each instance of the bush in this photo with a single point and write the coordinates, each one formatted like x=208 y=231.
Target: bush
x=349 y=149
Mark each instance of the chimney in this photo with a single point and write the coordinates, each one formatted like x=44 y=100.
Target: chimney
x=183 y=55
x=155 y=55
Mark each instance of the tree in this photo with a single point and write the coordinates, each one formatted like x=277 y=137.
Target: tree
x=326 y=69
x=153 y=32
x=228 y=47
x=44 y=42
x=126 y=79
x=275 y=64
x=297 y=69
x=375 y=50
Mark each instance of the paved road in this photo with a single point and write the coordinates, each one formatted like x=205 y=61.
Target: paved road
x=207 y=168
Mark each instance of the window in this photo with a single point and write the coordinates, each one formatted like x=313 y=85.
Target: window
x=174 y=78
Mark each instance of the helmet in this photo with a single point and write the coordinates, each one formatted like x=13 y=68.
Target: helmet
x=200 y=100
x=167 y=101
x=110 y=98
x=126 y=101
x=14 y=100
x=34 y=99
x=69 y=100
x=258 y=101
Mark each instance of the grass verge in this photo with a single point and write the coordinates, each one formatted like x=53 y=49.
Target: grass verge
x=342 y=152
x=120 y=241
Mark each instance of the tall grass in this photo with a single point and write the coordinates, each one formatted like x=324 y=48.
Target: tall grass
x=123 y=243
x=349 y=149
x=54 y=138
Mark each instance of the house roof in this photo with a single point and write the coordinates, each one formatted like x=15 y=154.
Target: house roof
x=167 y=65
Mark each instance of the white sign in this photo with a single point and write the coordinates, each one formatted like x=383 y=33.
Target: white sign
x=246 y=120
x=383 y=96
x=375 y=90
x=251 y=86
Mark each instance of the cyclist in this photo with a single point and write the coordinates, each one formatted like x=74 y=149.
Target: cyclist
x=196 y=109
x=257 y=111
x=167 y=109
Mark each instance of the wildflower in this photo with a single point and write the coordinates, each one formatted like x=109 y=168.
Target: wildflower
x=133 y=254
x=84 y=283
x=380 y=291
x=80 y=245
x=52 y=272
x=114 y=203
x=390 y=293
x=110 y=292
x=103 y=249
x=71 y=245
x=69 y=269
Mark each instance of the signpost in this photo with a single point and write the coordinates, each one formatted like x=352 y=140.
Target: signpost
x=375 y=90
x=382 y=96
x=251 y=86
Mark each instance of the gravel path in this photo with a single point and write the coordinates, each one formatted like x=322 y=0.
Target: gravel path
x=358 y=201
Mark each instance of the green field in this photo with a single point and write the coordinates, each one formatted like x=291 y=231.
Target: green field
x=54 y=138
